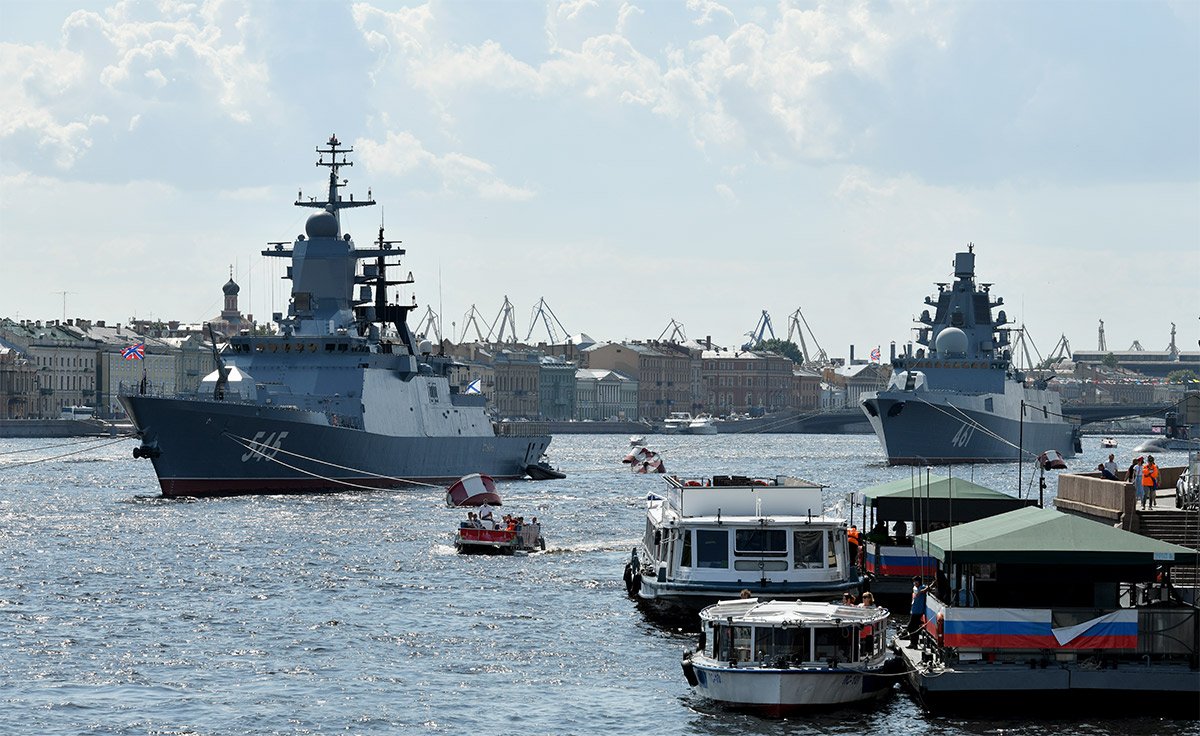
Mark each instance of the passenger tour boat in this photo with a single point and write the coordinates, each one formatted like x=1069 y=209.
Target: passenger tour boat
x=780 y=656
x=710 y=538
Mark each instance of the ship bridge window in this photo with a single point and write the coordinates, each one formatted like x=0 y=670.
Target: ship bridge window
x=343 y=347
x=807 y=549
x=760 y=542
x=712 y=548
x=987 y=404
x=329 y=347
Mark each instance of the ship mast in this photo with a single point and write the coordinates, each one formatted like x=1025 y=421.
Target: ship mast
x=333 y=201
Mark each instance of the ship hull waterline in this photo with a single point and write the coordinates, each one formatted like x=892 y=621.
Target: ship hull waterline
x=932 y=432
x=213 y=448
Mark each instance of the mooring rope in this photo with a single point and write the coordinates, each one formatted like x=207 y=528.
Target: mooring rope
x=254 y=447
x=65 y=454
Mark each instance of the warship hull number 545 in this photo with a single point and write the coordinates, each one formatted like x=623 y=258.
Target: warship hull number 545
x=343 y=397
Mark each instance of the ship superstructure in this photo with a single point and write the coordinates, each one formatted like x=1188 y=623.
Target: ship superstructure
x=958 y=398
x=343 y=397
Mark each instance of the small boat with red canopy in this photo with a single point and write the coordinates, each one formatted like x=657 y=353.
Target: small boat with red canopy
x=481 y=533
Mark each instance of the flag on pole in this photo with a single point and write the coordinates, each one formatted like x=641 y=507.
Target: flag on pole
x=875 y=355
x=134 y=352
x=474 y=387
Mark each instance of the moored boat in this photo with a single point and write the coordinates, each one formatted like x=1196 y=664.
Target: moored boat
x=781 y=656
x=344 y=396
x=707 y=539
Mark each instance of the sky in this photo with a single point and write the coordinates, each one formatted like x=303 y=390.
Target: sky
x=631 y=163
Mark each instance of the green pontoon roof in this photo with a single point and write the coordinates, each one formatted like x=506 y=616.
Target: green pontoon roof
x=936 y=499
x=1046 y=537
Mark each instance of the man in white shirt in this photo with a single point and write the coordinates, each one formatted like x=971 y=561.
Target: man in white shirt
x=1111 y=466
x=485 y=515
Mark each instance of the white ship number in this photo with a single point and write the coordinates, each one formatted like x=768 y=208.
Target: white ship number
x=265 y=446
x=963 y=436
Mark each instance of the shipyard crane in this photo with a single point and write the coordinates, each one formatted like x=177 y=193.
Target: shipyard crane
x=1060 y=352
x=677 y=335
x=546 y=314
x=431 y=324
x=1021 y=350
x=1171 y=348
x=795 y=329
x=761 y=328
x=1137 y=345
x=504 y=318
x=472 y=319
x=1101 y=345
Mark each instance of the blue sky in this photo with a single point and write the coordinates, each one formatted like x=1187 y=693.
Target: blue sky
x=630 y=162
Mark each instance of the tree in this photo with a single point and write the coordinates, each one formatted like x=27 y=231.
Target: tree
x=1183 y=376
x=783 y=347
x=1111 y=361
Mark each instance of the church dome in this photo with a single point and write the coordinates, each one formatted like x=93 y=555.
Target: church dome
x=231 y=288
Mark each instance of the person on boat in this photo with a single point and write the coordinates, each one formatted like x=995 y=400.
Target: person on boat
x=901 y=530
x=868 y=600
x=1111 y=466
x=486 y=517
x=879 y=534
x=1149 y=483
x=916 y=612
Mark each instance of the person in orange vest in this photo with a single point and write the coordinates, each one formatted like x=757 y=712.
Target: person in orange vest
x=1149 y=482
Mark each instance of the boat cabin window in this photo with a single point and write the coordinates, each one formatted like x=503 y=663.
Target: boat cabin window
x=712 y=548
x=760 y=542
x=831 y=546
x=792 y=645
x=685 y=554
x=807 y=549
x=834 y=644
x=741 y=643
x=731 y=643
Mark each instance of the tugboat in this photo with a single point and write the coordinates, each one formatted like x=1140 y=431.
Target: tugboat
x=342 y=398
x=959 y=399
x=708 y=539
x=783 y=656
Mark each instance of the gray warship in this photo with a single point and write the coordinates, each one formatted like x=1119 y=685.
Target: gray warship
x=343 y=397
x=958 y=398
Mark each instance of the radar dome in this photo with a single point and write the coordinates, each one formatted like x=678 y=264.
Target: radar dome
x=321 y=225
x=951 y=341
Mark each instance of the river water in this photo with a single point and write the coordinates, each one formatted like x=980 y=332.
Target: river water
x=123 y=613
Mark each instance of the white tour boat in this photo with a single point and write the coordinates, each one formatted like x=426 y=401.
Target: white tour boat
x=779 y=656
x=703 y=424
x=677 y=422
x=709 y=539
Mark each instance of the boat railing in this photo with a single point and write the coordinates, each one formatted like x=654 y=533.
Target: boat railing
x=520 y=429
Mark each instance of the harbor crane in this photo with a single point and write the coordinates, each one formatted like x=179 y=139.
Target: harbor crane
x=546 y=314
x=504 y=318
x=472 y=319
x=1100 y=344
x=1060 y=352
x=796 y=327
x=761 y=328
x=673 y=332
x=431 y=324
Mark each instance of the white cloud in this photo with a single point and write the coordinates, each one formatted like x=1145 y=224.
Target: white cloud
x=116 y=63
x=402 y=154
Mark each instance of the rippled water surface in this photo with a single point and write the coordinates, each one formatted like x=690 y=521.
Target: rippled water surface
x=126 y=613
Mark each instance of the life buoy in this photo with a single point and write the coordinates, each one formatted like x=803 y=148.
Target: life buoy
x=692 y=483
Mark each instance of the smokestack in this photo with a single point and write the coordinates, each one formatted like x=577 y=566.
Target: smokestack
x=893 y=350
x=708 y=342
x=851 y=355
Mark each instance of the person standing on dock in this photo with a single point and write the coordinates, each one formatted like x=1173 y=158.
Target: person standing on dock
x=916 y=612
x=1133 y=476
x=1149 y=483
